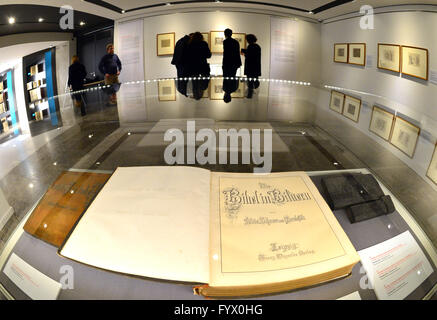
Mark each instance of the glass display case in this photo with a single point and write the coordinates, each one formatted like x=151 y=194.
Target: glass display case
x=324 y=143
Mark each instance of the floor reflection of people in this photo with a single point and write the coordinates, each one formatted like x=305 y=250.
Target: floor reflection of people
x=110 y=66
x=198 y=67
x=180 y=61
x=252 y=63
x=76 y=77
x=230 y=65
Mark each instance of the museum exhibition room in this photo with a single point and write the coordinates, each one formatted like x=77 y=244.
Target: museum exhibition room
x=218 y=150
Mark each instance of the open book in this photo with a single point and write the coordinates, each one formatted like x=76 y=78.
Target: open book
x=232 y=234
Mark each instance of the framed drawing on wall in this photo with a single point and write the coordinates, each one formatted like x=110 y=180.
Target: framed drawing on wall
x=415 y=62
x=432 y=169
x=166 y=90
x=165 y=43
x=206 y=38
x=216 y=41
x=239 y=93
x=216 y=89
x=241 y=38
x=340 y=52
x=389 y=57
x=357 y=54
x=337 y=101
x=381 y=123
x=405 y=136
x=352 y=108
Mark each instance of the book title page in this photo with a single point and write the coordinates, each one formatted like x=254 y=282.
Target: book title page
x=272 y=223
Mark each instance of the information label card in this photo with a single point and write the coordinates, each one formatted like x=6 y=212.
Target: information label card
x=395 y=267
x=31 y=281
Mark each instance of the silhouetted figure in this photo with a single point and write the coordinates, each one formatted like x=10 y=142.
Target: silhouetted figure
x=197 y=54
x=180 y=61
x=110 y=67
x=230 y=65
x=252 y=64
x=76 y=77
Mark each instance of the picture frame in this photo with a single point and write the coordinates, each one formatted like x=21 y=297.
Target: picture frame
x=352 y=108
x=29 y=86
x=381 y=123
x=1 y=97
x=2 y=108
x=405 y=136
x=165 y=43
x=33 y=70
x=216 y=89
x=357 y=54
x=216 y=41
x=5 y=125
x=389 y=57
x=337 y=101
x=206 y=38
x=431 y=173
x=341 y=52
x=241 y=38
x=167 y=90
x=1 y=86
x=415 y=62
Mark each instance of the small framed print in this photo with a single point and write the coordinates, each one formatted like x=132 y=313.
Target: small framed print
x=166 y=90
x=165 y=43
x=381 y=123
x=341 y=52
x=415 y=62
x=217 y=93
x=241 y=38
x=405 y=136
x=337 y=101
x=33 y=70
x=2 y=108
x=1 y=97
x=216 y=89
x=239 y=93
x=432 y=169
x=352 y=108
x=206 y=38
x=389 y=57
x=29 y=86
x=1 y=86
x=216 y=41
x=357 y=54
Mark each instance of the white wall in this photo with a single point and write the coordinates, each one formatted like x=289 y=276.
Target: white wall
x=414 y=98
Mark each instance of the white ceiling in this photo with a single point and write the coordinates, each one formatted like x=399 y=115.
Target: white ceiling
x=352 y=7
x=13 y=54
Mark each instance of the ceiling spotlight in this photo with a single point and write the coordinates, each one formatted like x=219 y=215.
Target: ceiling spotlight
x=82 y=23
x=40 y=20
x=168 y=4
x=123 y=11
x=311 y=12
x=11 y=20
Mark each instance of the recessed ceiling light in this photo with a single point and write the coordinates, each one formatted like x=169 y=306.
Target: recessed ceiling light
x=123 y=11
x=11 y=20
x=311 y=12
x=40 y=20
x=82 y=23
x=168 y=4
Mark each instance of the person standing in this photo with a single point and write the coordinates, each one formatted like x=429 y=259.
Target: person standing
x=180 y=61
x=76 y=77
x=110 y=66
x=230 y=65
x=252 y=63
x=197 y=54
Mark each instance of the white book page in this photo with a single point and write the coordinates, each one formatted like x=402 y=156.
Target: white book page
x=148 y=221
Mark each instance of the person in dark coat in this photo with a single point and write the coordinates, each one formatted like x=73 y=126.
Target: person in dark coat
x=230 y=65
x=180 y=61
x=110 y=67
x=197 y=65
x=76 y=77
x=252 y=64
